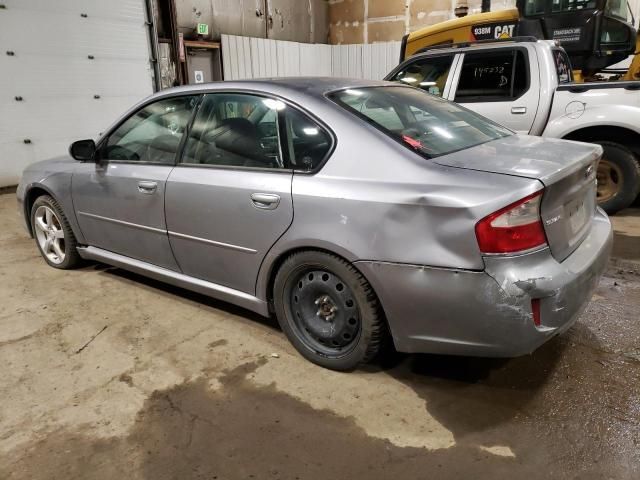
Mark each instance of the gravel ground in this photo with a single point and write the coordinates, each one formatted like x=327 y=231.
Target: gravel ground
x=176 y=385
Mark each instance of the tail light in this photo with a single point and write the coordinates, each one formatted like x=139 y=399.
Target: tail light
x=514 y=228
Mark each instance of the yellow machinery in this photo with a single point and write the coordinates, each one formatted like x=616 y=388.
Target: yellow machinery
x=458 y=30
x=595 y=36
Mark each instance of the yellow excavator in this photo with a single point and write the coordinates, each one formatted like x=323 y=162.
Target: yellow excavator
x=596 y=34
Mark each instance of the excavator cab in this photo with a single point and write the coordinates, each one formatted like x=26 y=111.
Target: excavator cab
x=595 y=33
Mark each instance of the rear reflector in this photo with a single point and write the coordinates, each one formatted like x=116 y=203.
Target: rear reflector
x=535 y=310
x=514 y=228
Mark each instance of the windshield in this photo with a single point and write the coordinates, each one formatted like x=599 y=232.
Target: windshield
x=425 y=123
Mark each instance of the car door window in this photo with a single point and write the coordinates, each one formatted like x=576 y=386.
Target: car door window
x=243 y=130
x=236 y=130
x=428 y=73
x=494 y=76
x=152 y=134
x=563 y=66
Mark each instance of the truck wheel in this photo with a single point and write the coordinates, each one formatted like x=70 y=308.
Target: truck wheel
x=618 y=177
x=328 y=310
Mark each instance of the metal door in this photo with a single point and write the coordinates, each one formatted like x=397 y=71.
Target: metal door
x=119 y=200
x=222 y=222
x=229 y=198
x=120 y=208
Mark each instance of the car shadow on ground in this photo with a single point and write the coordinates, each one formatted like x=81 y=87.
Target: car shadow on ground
x=181 y=294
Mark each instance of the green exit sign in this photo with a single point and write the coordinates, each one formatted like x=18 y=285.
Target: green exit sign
x=203 y=29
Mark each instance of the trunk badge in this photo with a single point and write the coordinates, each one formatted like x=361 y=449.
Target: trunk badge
x=553 y=220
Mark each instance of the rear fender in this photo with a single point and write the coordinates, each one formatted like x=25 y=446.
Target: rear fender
x=621 y=116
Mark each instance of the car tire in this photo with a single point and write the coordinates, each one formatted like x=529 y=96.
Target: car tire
x=53 y=234
x=618 y=177
x=328 y=310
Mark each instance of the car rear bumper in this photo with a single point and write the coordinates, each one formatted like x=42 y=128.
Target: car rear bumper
x=488 y=313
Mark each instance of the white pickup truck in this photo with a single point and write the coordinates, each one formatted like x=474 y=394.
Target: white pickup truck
x=527 y=85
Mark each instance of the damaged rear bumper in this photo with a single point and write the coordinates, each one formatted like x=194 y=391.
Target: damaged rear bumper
x=488 y=313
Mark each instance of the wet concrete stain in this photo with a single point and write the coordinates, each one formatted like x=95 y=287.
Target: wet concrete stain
x=243 y=431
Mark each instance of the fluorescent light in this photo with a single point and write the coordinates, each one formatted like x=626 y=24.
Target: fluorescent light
x=357 y=93
x=274 y=104
x=409 y=80
x=427 y=84
x=310 y=130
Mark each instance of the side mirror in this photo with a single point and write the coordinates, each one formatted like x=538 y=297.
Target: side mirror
x=83 y=150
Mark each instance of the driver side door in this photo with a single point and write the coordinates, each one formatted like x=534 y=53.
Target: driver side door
x=119 y=199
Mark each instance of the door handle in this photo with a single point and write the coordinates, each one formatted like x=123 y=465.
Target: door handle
x=147 y=187
x=518 y=110
x=265 y=201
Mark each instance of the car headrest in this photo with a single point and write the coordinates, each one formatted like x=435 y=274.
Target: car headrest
x=239 y=136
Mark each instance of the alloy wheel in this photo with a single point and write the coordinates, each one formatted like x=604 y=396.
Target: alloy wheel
x=49 y=234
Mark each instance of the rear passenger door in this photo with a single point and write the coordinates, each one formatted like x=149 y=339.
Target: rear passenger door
x=229 y=198
x=499 y=85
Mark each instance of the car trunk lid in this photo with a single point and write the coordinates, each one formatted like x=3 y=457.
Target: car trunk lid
x=566 y=169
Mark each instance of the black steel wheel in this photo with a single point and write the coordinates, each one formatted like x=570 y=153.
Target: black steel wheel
x=328 y=310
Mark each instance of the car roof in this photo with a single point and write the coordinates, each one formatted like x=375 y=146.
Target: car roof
x=311 y=86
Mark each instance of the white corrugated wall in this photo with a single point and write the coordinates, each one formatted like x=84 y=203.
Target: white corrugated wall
x=50 y=70
x=245 y=57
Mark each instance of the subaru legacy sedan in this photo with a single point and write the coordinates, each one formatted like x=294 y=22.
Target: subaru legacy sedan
x=354 y=211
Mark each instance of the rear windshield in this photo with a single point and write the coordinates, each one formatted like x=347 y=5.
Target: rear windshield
x=425 y=123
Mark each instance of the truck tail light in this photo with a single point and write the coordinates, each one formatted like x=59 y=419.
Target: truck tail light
x=514 y=228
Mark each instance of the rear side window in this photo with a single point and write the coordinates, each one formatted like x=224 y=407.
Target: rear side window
x=306 y=144
x=427 y=124
x=563 y=66
x=496 y=76
x=429 y=74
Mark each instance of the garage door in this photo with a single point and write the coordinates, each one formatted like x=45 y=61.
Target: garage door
x=68 y=68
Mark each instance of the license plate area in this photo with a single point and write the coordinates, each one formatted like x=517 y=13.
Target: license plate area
x=577 y=215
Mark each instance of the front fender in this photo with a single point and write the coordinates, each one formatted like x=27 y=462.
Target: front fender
x=53 y=177
x=622 y=116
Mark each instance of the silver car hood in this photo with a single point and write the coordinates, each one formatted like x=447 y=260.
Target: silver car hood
x=547 y=160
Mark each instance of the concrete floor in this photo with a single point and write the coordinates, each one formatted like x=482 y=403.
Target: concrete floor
x=177 y=385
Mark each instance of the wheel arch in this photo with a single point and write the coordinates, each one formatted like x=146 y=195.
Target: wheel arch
x=277 y=260
x=264 y=286
x=32 y=192
x=269 y=270
x=622 y=135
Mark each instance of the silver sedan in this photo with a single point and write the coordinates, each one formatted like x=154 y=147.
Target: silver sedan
x=354 y=211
